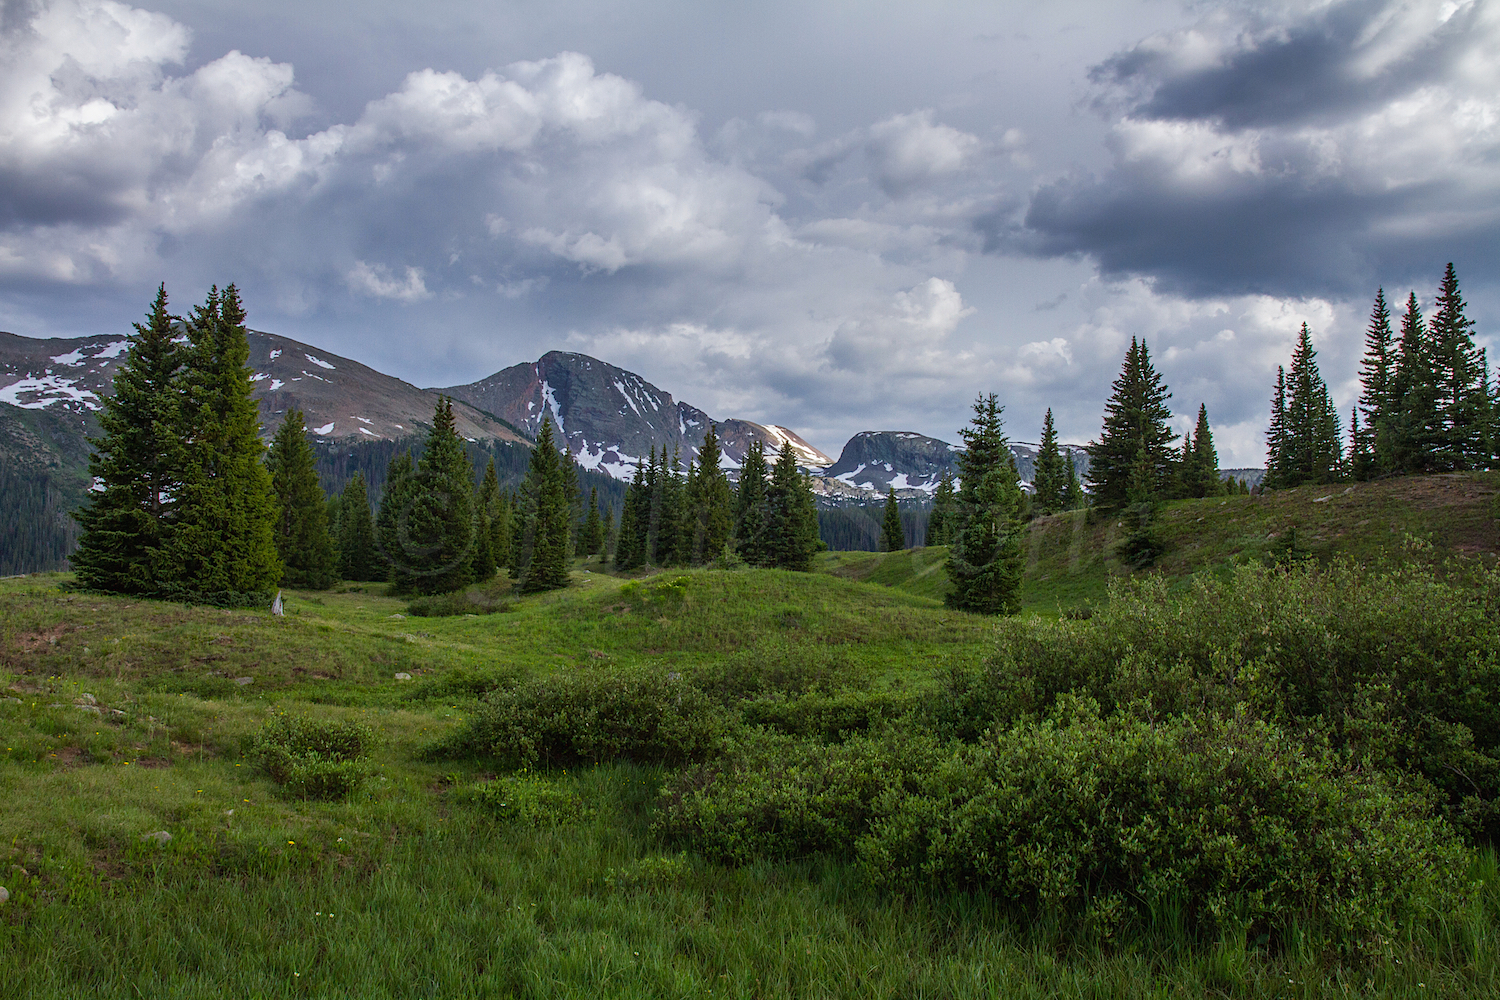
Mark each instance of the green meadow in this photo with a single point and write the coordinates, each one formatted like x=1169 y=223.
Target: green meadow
x=641 y=786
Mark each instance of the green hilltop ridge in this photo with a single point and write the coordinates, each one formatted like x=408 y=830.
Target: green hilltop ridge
x=1071 y=557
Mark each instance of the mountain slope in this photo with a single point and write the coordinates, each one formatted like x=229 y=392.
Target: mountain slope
x=611 y=418
x=340 y=398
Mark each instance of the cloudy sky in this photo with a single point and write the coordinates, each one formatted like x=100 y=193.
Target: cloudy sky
x=837 y=216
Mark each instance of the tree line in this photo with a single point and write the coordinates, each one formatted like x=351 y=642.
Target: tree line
x=676 y=518
x=1426 y=403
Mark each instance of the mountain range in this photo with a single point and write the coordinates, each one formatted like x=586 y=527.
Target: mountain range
x=608 y=418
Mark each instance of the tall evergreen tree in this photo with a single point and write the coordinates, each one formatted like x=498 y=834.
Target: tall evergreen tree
x=549 y=517
x=791 y=515
x=395 y=502
x=892 y=535
x=1276 y=440
x=1050 y=479
x=224 y=537
x=630 y=537
x=302 y=536
x=667 y=512
x=1311 y=451
x=984 y=560
x=1377 y=375
x=438 y=553
x=608 y=546
x=1461 y=377
x=1359 y=463
x=1200 y=461
x=137 y=463
x=592 y=540
x=1414 y=421
x=940 y=523
x=750 y=512
x=709 y=504
x=359 y=555
x=1134 y=459
x=486 y=502
x=1073 y=496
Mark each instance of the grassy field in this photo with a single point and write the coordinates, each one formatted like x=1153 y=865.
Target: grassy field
x=122 y=718
x=1071 y=557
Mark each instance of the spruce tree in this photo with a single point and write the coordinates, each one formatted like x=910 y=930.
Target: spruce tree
x=1461 y=377
x=630 y=538
x=503 y=531
x=359 y=555
x=750 y=508
x=1134 y=459
x=1200 y=465
x=940 y=524
x=592 y=539
x=1050 y=477
x=1359 y=460
x=791 y=515
x=1311 y=451
x=137 y=464
x=984 y=561
x=1276 y=439
x=608 y=546
x=667 y=511
x=709 y=504
x=486 y=503
x=1073 y=496
x=1373 y=450
x=438 y=554
x=302 y=537
x=548 y=517
x=1415 y=431
x=391 y=522
x=224 y=538
x=892 y=535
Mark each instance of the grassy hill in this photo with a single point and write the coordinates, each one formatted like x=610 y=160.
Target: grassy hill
x=447 y=876
x=1071 y=557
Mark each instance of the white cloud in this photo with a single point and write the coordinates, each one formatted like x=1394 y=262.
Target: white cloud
x=908 y=151
x=376 y=280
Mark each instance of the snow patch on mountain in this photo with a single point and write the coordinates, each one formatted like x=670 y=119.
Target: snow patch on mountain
x=39 y=392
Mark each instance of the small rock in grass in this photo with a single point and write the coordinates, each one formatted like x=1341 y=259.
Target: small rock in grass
x=11 y=701
x=403 y=676
x=242 y=681
x=88 y=708
x=160 y=836
x=117 y=711
x=395 y=616
x=4 y=894
x=85 y=699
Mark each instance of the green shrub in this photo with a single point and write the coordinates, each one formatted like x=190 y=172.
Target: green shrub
x=593 y=716
x=312 y=759
x=776 y=796
x=1101 y=820
x=784 y=668
x=1390 y=664
x=525 y=798
x=829 y=717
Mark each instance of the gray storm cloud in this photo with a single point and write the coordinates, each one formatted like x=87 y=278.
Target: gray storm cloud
x=1317 y=155
x=1252 y=169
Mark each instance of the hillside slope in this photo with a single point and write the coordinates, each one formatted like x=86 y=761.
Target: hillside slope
x=1070 y=557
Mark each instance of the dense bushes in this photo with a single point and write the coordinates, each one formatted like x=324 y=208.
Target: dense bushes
x=1303 y=744
x=1105 y=820
x=1091 y=820
x=311 y=759
x=593 y=716
x=1394 y=666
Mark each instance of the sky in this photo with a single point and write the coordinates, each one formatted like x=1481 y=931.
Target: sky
x=834 y=216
